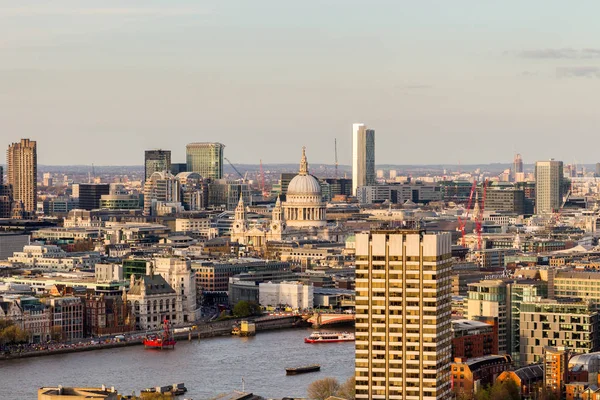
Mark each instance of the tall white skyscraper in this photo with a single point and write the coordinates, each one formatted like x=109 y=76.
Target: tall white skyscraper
x=548 y=186
x=363 y=156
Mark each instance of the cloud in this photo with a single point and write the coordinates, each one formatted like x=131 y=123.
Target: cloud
x=578 y=72
x=560 y=54
x=108 y=11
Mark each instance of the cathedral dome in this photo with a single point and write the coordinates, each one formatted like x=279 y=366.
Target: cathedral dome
x=304 y=207
x=304 y=184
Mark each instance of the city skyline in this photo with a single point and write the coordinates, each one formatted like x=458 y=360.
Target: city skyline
x=483 y=81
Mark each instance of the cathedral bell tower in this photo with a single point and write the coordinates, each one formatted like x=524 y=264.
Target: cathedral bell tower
x=277 y=221
x=240 y=224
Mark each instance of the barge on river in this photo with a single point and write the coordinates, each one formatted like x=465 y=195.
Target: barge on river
x=303 y=370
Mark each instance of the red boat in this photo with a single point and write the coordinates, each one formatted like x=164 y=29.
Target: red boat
x=318 y=337
x=163 y=340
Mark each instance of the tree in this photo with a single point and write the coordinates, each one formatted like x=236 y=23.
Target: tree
x=347 y=389
x=242 y=309
x=12 y=334
x=255 y=308
x=56 y=333
x=482 y=394
x=323 y=388
x=512 y=389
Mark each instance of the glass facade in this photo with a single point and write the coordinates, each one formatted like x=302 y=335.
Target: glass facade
x=205 y=159
x=156 y=161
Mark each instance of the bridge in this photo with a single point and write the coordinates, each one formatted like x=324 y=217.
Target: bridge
x=322 y=319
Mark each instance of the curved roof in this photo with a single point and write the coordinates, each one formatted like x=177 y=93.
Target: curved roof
x=585 y=362
x=188 y=175
x=304 y=184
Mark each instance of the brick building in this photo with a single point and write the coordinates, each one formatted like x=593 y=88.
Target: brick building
x=470 y=375
x=474 y=339
x=107 y=315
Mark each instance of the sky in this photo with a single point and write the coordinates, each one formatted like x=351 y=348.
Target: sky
x=439 y=81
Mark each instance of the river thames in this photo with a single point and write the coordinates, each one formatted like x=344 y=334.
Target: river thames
x=208 y=367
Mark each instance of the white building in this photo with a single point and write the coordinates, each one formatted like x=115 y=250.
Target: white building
x=200 y=226
x=179 y=274
x=109 y=272
x=363 y=156
x=153 y=300
x=548 y=186
x=304 y=206
x=292 y=294
x=52 y=257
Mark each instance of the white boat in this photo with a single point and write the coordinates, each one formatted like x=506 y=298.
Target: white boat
x=329 y=337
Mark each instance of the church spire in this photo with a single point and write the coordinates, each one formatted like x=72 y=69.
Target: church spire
x=303 y=163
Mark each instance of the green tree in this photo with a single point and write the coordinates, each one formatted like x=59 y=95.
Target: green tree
x=242 y=309
x=323 y=388
x=255 y=308
x=512 y=389
x=12 y=334
x=483 y=394
x=347 y=389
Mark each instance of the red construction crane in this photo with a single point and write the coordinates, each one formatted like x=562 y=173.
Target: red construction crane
x=461 y=222
x=479 y=221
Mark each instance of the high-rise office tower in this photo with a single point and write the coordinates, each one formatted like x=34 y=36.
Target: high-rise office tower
x=597 y=174
x=517 y=167
x=205 y=159
x=156 y=161
x=21 y=159
x=548 y=186
x=90 y=194
x=5 y=197
x=363 y=156
x=403 y=315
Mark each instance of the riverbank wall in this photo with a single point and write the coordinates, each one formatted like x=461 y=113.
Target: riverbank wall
x=204 y=331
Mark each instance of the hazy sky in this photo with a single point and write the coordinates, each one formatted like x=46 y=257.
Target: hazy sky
x=440 y=81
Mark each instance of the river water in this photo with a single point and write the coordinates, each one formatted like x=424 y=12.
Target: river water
x=208 y=367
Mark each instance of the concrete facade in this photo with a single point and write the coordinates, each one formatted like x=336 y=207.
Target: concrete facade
x=403 y=311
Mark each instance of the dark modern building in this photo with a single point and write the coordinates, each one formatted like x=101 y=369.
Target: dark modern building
x=156 y=161
x=5 y=197
x=505 y=199
x=90 y=194
x=177 y=168
x=133 y=266
x=339 y=186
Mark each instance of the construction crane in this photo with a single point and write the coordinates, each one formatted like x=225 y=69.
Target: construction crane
x=235 y=169
x=461 y=222
x=336 y=158
x=479 y=221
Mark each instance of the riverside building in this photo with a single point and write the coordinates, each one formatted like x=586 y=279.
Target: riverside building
x=403 y=312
